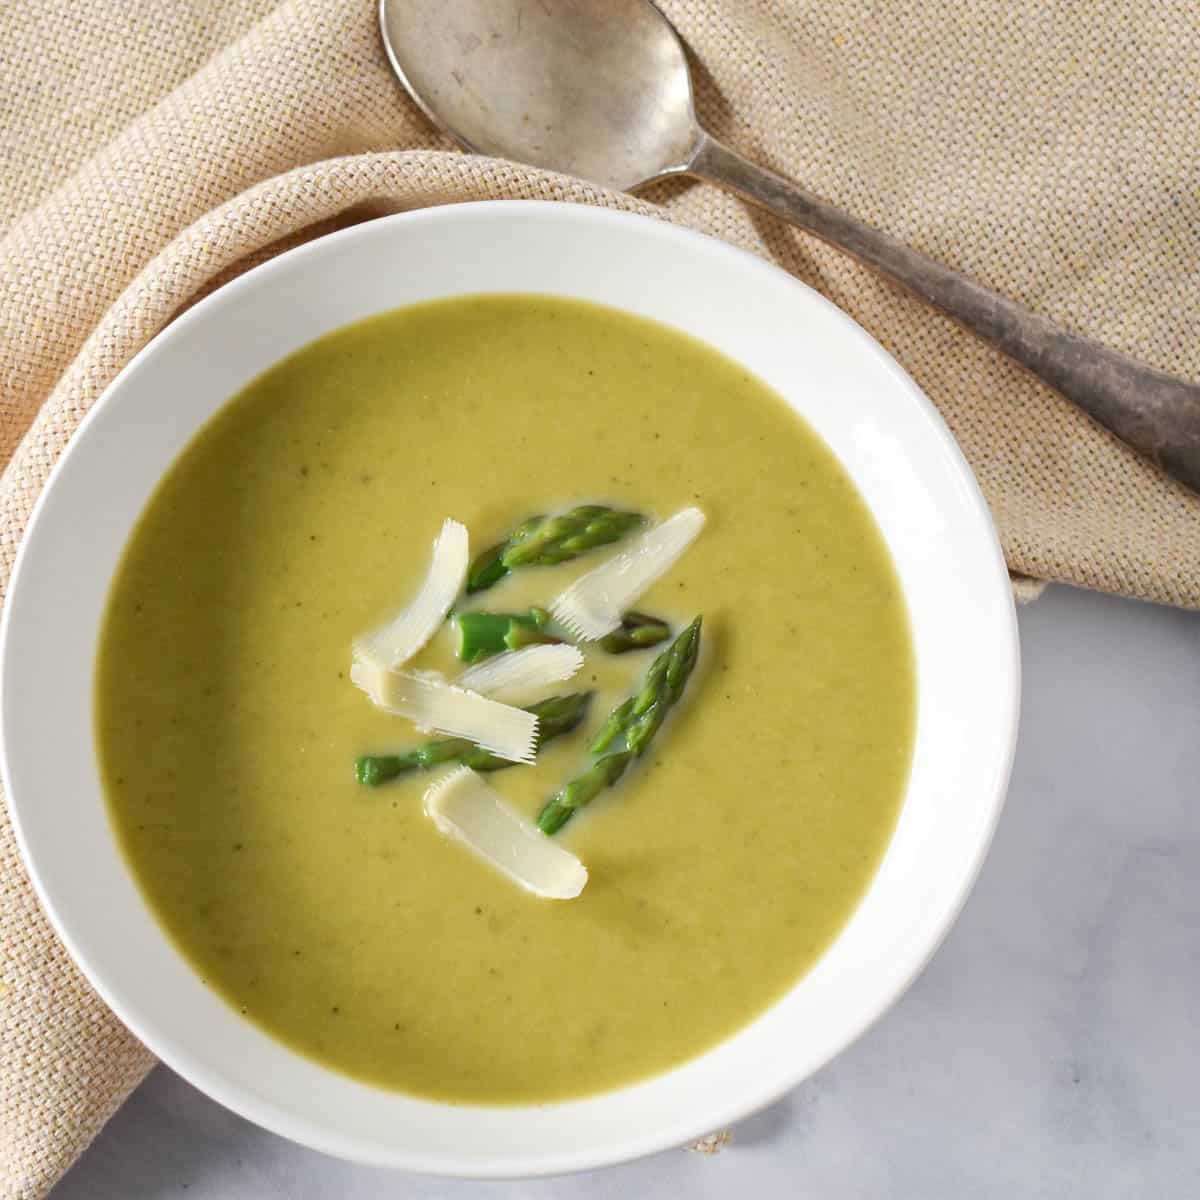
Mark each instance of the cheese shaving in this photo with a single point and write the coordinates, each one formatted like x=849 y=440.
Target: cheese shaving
x=594 y=604
x=393 y=644
x=466 y=809
x=440 y=707
x=522 y=676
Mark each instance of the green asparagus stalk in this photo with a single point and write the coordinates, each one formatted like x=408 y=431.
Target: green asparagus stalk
x=660 y=687
x=541 y=541
x=482 y=634
x=613 y=728
x=557 y=716
x=488 y=568
x=650 y=709
x=637 y=720
x=636 y=632
x=563 y=805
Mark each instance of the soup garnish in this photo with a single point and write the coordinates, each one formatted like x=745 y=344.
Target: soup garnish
x=432 y=704
x=510 y=666
x=556 y=716
x=637 y=631
x=522 y=676
x=634 y=723
x=544 y=541
x=482 y=634
x=464 y=808
x=595 y=603
x=395 y=643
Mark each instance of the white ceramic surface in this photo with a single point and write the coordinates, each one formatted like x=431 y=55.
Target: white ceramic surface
x=885 y=433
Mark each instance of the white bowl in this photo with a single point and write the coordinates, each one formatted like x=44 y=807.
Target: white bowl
x=887 y=435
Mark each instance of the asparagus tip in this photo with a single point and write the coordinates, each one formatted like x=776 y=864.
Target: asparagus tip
x=366 y=771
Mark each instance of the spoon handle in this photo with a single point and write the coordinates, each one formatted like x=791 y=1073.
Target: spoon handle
x=1155 y=413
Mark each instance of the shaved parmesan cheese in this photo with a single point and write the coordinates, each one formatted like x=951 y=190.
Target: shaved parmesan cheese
x=435 y=705
x=393 y=644
x=594 y=604
x=465 y=808
x=522 y=676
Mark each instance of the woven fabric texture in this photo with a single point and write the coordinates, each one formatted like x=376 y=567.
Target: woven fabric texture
x=150 y=150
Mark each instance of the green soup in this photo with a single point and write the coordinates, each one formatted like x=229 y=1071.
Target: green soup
x=336 y=916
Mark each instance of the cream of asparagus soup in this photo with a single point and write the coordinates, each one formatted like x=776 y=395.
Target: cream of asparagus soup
x=504 y=699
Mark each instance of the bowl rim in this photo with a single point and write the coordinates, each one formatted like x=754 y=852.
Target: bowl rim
x=727 y=1110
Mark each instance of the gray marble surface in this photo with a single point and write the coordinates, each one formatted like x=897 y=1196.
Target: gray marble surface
x=1051 y=1049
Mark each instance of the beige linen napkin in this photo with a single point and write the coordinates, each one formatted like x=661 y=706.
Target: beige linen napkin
x=151 y=149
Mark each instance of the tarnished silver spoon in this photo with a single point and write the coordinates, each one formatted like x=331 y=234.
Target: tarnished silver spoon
x=601 y=89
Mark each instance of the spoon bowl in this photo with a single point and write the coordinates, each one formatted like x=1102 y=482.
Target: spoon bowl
x=598 y=91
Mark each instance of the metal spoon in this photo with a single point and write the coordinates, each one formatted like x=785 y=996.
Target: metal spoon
x=600 y=89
